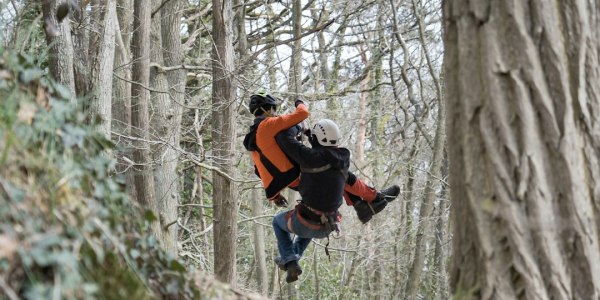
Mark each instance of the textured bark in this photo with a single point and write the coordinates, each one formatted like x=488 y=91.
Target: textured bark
x=223 y=133
x=121 y=110
x=140 y=120
x=258 y=236
x=166 y=118
x=61 y=49
x=523 y=105
x=295 y=85
x=102 y=70
x=441 y=237
x=361 y=130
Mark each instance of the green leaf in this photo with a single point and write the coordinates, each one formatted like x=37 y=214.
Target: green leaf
x=29 y=75
x=62 y=91
x=134 y=253
x=149 y=216
x=14 y=193
x=177 y=266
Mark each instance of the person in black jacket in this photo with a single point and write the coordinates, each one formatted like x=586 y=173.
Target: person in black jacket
x=324 y=172
x=277 y=170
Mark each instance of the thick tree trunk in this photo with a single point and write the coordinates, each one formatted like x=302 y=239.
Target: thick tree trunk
x=223 y=136
x=140 y=120
x=523 y=105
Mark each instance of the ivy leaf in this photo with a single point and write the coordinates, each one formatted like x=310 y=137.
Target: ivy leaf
x=149 y=216
x=29 y=75
x=62 y=91
x=177 y=266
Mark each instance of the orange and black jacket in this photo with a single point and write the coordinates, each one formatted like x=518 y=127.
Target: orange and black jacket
x=274 y=168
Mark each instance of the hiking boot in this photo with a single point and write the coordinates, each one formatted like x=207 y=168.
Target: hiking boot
x=280 y=264
x=378 y=205
x=293 y=271
x=388 y=194
x=363 y=211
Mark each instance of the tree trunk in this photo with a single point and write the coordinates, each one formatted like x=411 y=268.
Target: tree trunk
x=102 y=69
x=166 y=118
x=295 y=85
x=223 y=136
x=58 y=35
x=140 y=121
x=523 y=100
x=121 y=110
x=259 y=244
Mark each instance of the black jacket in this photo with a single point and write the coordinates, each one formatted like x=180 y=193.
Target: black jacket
x=321 y=190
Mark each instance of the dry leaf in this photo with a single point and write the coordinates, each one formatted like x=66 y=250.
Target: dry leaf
x=42 y=97
x=5 y=74
x=26 y=112
x=8 y=247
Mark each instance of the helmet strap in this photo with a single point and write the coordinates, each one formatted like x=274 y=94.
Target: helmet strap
x=268 y=113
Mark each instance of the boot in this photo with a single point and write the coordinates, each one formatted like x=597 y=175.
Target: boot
x=363 y=211
x=388 y=194
x=293 y=271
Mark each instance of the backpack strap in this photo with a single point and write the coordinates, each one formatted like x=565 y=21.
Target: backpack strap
x=323 y=169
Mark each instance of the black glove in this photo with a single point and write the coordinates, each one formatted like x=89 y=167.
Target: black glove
x=298 y=102
x=280 y=201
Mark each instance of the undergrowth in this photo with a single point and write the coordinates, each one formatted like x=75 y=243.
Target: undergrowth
x=67 y=228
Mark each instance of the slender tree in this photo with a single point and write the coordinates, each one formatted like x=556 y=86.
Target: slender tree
x=223 y=133
x=121 y=101
x=140 y=120
x=523 y=100
x=102 y=68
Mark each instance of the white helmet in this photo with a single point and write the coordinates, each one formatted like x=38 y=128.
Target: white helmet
x=327 y=133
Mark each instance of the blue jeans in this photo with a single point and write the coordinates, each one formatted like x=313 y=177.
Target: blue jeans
x=289 y=249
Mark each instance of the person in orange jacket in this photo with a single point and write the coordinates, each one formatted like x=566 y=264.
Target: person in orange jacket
x=277 y=171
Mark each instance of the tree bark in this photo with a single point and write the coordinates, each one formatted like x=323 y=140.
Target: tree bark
x=223 y=133
x=140 y=120
x=295 y=85
x=121 y=102
x=166 y=119
x=102 y=70
x=259 y=244
x=61 y=49
x=523 y=105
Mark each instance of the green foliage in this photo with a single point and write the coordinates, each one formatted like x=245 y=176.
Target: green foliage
x=67 y=228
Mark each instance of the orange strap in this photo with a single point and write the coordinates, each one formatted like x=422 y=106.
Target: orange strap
x=306 y=223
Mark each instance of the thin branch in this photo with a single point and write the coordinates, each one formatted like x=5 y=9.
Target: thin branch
x=155 y=11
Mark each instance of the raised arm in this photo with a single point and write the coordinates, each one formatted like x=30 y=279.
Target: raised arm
x=296 y=151
x=280 y=123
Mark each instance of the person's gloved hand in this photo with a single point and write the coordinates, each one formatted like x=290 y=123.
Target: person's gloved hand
x=299 y=101
x=307 y=132
x=280 y=201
